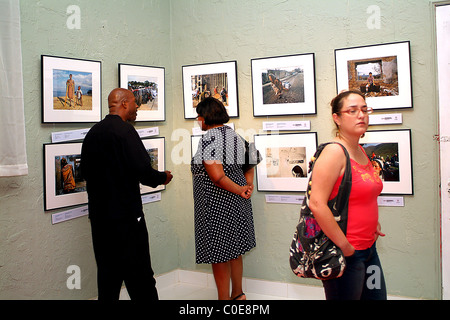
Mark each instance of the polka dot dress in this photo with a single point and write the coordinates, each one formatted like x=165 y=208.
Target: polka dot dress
x=223 y=221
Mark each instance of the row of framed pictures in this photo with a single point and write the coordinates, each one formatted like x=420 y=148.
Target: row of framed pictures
x=284 y=166
x=71 y=90
x=283 y=85
x=286 y=157
x=63 y=184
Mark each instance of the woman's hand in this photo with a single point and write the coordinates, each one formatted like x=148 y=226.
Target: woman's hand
x=246 y=191
x=250 y=190
x=348 y=250
x=378 y=233
x=217 y=175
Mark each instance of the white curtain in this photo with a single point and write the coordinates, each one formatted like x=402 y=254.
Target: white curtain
x=13 y=157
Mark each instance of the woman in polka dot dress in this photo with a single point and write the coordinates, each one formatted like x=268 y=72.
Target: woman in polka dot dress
x=224 y=228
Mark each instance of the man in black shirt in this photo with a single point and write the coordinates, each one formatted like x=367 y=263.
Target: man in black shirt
x=113 y=163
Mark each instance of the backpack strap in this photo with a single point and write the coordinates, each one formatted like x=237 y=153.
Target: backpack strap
x=342 y=198
x=319 y=151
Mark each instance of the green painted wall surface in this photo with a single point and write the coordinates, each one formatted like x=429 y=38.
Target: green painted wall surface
x=34 y=254
x=209 y=31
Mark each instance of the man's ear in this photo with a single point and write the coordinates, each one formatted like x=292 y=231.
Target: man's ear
x=124 y=103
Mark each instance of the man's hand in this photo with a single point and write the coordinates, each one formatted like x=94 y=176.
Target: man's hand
x=169 y=177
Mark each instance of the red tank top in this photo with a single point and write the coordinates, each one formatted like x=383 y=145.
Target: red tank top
x=363 y=207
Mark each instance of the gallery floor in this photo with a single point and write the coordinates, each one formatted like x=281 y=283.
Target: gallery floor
x=192 y=285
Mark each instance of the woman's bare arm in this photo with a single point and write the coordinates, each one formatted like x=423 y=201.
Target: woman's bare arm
x=327 y=169
x=218 y=177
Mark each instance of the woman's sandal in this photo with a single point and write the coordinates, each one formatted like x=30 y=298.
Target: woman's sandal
x=239 y=296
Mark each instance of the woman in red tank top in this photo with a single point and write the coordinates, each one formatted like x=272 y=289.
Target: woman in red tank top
x=363 y=277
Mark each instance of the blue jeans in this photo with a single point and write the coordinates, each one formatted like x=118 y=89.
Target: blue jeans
x=363 y=278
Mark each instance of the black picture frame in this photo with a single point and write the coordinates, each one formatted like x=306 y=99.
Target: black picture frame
x=71 y=90
x=158 y=160
x=391 y=150
x=390 y=64
x=57 y=192
x=201 y=80
x=148 y=86
x=284 y=85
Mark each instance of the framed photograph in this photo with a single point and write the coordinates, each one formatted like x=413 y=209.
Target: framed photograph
x=218 y=80
x=284 y=85
x=156 y=150
x=147 y=85
x=285 y=161
x=71 y=90
x=390 y=153
x=63 y=185
x=381 y=72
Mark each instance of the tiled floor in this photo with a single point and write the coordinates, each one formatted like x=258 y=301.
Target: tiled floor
x=184 y=291
x=191 y=285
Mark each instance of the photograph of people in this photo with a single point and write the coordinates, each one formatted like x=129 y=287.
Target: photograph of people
x=72 y=90
x=67 y=174
x=79 y=96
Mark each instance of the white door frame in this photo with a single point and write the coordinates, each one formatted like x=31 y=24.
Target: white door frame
x=442 y=14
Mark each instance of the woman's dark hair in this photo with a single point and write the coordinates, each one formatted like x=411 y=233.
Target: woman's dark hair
x=337 y=102
x=213 y=111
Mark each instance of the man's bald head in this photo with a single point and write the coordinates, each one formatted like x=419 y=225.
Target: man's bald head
x=121 y=102
x=118 y=95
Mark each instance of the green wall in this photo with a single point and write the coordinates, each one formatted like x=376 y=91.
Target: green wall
x=35 y=254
